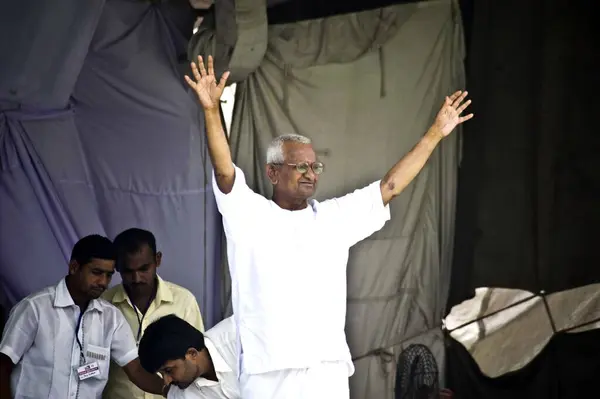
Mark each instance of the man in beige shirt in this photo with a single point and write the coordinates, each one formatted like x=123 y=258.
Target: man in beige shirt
x=144 y=297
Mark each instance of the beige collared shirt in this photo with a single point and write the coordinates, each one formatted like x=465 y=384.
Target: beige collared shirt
x=170 y=299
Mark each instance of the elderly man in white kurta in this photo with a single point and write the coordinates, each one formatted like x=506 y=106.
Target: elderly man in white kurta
x=293 y=344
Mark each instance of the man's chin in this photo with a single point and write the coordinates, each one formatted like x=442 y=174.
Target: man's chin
x=183 y=385
x=95 y=294
x=137 y=289
x=306 y=190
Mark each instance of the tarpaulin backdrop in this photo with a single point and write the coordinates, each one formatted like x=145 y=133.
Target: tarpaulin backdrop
x=98 y=133
x=364 y=87
x=528 y=214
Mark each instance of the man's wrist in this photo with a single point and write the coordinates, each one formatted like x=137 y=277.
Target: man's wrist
x=212 y=111
x=433 y=136
x=165 y=390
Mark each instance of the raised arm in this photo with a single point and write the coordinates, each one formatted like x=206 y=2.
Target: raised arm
x=209 y=94
x=408 y=167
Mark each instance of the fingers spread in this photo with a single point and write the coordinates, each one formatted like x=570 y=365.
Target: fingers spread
x=190 y=82
x=459 y=99
x=223 y=80
x=211 y=66
x=201 y=66
x=454 y=96
x=465 y=118
x=463 y=107
x=195 y=72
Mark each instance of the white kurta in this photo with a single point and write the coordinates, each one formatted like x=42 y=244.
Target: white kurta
x=288 y=271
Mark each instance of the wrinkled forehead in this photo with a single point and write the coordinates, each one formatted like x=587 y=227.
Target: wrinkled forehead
x=298 y=152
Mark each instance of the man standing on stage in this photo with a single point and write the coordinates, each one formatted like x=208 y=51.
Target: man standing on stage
x=293 y=345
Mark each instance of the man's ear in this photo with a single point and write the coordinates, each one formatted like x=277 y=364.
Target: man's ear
x=192 y=353
x=73 y=267
x=273 y=174
x=158 y=258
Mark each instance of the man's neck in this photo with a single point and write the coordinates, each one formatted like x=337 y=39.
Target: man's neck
x=290 y=204
x=142 y=302
x=208 y=365
x=78 y=298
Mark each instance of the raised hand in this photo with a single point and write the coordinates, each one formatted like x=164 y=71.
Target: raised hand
x=450 y=115
x=205 y=86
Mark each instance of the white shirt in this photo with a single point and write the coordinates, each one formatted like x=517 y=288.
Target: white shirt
x=40 y=340
x=221 y=344
x=288 y=271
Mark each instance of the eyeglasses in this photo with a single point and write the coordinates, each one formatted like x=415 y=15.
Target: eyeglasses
x=303 y=167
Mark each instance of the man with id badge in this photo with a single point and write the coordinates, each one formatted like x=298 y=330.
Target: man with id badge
x=142 y=298
x=58 y=342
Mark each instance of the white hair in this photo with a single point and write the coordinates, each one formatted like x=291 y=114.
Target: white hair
x=275 y=149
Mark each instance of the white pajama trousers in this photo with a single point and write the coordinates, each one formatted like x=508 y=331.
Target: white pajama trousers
x=329 y=380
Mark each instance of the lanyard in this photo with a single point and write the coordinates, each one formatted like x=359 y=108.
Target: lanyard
x=137 y=313
x=141 y=320
x=80 y=324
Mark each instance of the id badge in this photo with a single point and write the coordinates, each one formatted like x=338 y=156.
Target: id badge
x=88 y=370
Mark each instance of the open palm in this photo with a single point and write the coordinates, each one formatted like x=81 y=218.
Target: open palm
x=450 y=114
x=205 y=84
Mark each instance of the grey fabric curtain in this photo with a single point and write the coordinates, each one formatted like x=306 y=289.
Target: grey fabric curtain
x=365 y=87
x=43 y=181
x=98 y=134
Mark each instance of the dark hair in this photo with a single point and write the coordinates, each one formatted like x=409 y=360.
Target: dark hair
x=167 y=338
x=132 y=241
x=93 y=246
